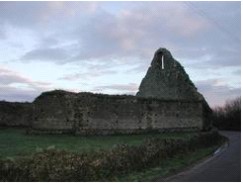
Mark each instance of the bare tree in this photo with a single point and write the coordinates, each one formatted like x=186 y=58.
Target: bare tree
x=228 y=117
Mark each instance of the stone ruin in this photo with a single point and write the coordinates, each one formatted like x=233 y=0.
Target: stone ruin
x=167 y=79
x=14 y=114
x=167 y=100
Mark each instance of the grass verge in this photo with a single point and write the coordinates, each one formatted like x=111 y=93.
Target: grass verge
x=15 y=142
x=168 y=167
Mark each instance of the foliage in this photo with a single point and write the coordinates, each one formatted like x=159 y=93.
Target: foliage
x=104 y=165
x=228 y=117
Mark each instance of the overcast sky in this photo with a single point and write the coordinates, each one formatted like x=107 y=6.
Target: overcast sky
x=107 y=47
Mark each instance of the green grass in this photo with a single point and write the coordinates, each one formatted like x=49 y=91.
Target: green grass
x=15 y=142
x=168 y=167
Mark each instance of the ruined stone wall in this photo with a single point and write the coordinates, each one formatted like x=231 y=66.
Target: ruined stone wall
x=167 y=79
x=13 y=114
x=54 y=111
x=86 y=113
x=167 y=100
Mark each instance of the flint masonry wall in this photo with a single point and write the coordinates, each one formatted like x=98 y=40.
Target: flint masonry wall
x=14 y=114
x=86 y=113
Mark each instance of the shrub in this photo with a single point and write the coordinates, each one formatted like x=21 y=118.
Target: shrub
x=104 y=165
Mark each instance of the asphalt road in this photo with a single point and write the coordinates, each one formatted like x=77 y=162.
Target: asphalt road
x=224 y=166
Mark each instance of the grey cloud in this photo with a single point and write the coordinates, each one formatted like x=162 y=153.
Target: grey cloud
x=220 y=62
x=140 y=28
x=31 y=14
x=138 y=32
x=131 y=87
x=15 y=94
x=87 y=75
x=11 y=93
x=215 y=93
x=139 y=67
x=13 y=12
x=226 y=55
x=72 y=77
x=227 y=20
x=219 y=57
x=219 y=41
x=237 y=72
x=135 y=32
x=2 y=33
x=49 y=41
x=46 y=54
x=6 y=79
x=9 y=77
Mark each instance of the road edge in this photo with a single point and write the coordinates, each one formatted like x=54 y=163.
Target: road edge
x=197 y=164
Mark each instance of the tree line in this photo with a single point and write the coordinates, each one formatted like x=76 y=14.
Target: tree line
x=228 y=117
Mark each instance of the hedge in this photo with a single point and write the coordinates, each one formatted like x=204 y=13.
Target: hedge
x=58 y=165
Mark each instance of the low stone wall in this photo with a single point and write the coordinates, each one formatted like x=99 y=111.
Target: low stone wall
x=87 y=113
x=14 y=114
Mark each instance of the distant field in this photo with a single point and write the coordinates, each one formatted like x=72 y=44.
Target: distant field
x=14 y=142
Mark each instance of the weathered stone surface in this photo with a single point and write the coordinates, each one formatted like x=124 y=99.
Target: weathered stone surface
x=167 y=80
x=14 y=114
x=90 y=114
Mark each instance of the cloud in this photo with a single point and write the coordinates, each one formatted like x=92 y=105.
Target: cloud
x=91 y=73
x=225 y=21
x=46 y=54
x=104 y=38
x=130 y=88
x=15 y=87
x=31 y=14
x=211 y=58
x=49 y=41
x=13 y=94
x=8 y=77
x=134 y=32
x=217 y=92
x=138 y=31
x=237 y=72
x=2 y=33
x=85 y=75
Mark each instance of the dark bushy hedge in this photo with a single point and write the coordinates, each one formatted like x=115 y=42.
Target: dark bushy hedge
x=55 y=165
x=228 y=117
